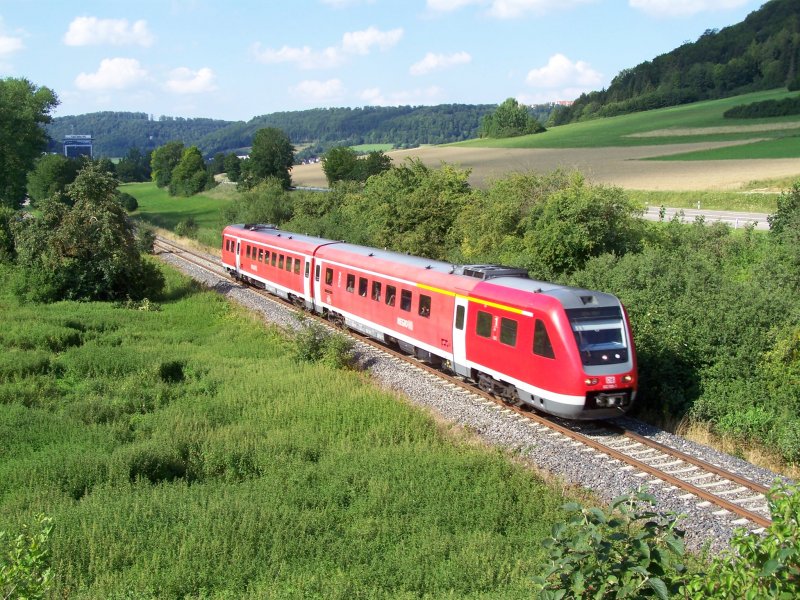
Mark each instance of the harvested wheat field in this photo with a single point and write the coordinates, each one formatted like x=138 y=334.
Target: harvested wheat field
x=611 y=165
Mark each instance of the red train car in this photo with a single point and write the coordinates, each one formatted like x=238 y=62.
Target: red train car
x=564 y=351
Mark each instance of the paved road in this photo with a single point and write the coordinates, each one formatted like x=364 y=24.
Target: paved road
x=688 y=215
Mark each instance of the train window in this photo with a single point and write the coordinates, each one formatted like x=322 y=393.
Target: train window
x=460 y=317
x=280 y=261
x=266 y=257
x=308 y=269
x=363 y=285
x=508 y=331
x=288 y=263
x=424 y=305
x=274 y=258
x=376 y=290
x=541 y=341
x=351 y=282
x=391 y=292
x=484 y=327
x=260 y=255
x=297 y=266
x=405 y=300
x=247 y=252
x=328 y=276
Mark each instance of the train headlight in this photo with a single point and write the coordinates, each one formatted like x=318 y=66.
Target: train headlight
x=627 y=378
x=591 y=381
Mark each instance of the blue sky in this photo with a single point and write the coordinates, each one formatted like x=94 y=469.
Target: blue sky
x=236 y=60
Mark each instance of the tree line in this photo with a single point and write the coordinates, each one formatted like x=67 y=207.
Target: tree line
x=760 y=53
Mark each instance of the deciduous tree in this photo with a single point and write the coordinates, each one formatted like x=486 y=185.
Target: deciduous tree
x=24 y=109
x=86 y=251
x=163 y=160
x=51 y=175
x=272 y=155
x=190 y=175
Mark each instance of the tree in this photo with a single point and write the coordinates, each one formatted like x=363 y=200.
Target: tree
x=163 y=160
x=190 y=175
x=134 y=166
x=374 y=163
x=24 y=108
x=83 y=252
x=339 y=164
x=233 y=167
x=272 y=155
x=788 y=209
x=51 y=175
x=509 y=120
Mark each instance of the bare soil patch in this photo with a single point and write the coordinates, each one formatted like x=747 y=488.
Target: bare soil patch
x=621 y=166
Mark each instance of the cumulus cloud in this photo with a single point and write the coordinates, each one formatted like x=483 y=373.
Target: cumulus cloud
x=9 y=45
x=506 y=9
x=683 y=8
x=113 y=74
x=186 y=81
x=416 y=97
x=91 y=31
x=560 y=71
x=319 y=91
x=353 y=43
x=361 y=42
x=436 y=62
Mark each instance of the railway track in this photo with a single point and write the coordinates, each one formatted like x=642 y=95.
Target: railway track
x=692 y=479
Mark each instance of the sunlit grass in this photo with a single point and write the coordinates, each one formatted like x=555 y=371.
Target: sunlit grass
x=186 y=452
x=709 y=200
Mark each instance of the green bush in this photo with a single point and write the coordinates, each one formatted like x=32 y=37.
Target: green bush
x=24 y=570
x=128 y=202
x=314 y=343
x=629 y=551
x=187 y=228
x=759 y=566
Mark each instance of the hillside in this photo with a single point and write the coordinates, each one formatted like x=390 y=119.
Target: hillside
x=116 y=132
x=760 y=53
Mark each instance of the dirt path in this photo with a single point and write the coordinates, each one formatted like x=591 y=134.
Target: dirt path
x=613 y=165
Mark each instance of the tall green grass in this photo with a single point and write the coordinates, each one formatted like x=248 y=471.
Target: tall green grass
x=187 y=452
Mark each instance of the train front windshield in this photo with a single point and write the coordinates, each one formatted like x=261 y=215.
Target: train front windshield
x=600 y=336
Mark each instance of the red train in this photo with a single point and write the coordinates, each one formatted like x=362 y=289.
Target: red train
x=565 y=351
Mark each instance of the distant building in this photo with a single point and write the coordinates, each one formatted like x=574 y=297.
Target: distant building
x=78 y=145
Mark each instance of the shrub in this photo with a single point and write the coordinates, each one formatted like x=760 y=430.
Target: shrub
x=314 y=343
x=128 y=202
x=186 y=228
x=759 y=566
x=24 y=572
x=629 y=551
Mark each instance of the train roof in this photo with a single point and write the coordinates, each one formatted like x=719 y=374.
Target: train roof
x=569 y=297
x=272 y=231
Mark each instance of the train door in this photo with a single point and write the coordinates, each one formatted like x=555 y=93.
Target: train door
x=307 y=287
x=238 y=245
x=460 y=336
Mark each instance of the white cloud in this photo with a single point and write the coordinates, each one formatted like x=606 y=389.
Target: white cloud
x=113 y=74
x=506 y=9
x=416 y=97
x=354 y=42
x=319 y=91
x=186 y=81
x=360 y=42
x=682 y=8
x=9 y=45
x=560 y=72
x=510 y=9
x=435 y=62
x=450 y=5
x=304 y=57
x=89 y=31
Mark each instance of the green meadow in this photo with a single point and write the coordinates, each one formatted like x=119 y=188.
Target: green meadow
x=187 y=452
x=628 y=130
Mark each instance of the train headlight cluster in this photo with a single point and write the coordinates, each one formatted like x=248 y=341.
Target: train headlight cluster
x=591 y=381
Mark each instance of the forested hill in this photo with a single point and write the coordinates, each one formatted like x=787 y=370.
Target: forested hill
x=760 y=53
x=116 y=132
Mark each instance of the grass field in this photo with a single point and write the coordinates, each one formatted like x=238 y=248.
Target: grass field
x=373 y=147
x=783 y=147
x=186 y=452
x=628 y=130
